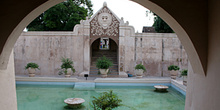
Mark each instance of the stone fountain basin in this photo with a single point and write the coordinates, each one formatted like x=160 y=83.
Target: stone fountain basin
x=74 y=101
x=161 y=87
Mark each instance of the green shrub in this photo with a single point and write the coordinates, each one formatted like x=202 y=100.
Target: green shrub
x=103 y=63
x=140 y=66
x=106 y=101
x=32 y=65
x=173 y=67
x=66 y=63
x=184 y=72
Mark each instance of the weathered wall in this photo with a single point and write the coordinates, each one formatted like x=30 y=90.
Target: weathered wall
x=126 y=47
x=155 y=51
x=46 y=49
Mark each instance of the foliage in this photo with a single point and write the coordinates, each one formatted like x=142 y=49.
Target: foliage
x=140 y=66
x=62 y=17
x=107 y=101
x=160 y=25
x=184 y=72
x=173 y=67
x=66 y=63
x=103 y=63
x=32 y=65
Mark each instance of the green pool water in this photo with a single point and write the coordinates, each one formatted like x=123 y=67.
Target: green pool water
x=41 y=97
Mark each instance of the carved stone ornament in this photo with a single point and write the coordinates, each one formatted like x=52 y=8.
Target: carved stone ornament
x=104 y=24
x=105 y=19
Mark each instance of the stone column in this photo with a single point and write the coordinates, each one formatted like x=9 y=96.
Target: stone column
x=86 y=54
x=8 y=100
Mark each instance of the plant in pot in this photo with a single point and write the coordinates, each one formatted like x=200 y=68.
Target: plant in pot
x=106 y=101
x=139 y=70
x=31 y=67
x=103 y=65
x=173 y=71
x=66 y=67
x=184 y=74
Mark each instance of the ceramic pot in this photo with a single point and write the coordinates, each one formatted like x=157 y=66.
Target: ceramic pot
x=68 y=73
x=31 y=72
x=173 y=74
x=103 y=72
x=139 y=73
x=185 y=80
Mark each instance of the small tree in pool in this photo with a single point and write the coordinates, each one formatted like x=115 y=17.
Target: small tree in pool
x=107 y=101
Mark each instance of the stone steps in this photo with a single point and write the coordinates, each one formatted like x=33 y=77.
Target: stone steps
x=113 y=70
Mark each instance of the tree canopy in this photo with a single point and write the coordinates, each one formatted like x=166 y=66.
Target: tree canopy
x=62 y=17
x=160 y=25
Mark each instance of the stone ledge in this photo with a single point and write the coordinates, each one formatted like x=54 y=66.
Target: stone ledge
x=178 y=85
x=45 y=79
x=132 y=80
x=123 y=75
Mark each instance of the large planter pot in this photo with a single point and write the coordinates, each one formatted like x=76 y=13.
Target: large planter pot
x=185 y=80
x=139 y=73
x=173 y=74
x=103 y=72
x=31 y=72
x=68 y=73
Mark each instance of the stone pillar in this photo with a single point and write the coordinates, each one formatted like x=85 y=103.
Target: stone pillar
x=121 y=48
x=8 y=100
x=86 y=54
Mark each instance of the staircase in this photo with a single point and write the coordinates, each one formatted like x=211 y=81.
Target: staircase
x=112 y=55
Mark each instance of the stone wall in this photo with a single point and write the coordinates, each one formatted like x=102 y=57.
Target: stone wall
x=155 y=50
x=46 y=49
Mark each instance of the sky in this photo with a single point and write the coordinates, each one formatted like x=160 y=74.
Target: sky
x=132 y=12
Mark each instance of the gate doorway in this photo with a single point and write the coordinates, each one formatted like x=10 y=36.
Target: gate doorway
x=104 y=47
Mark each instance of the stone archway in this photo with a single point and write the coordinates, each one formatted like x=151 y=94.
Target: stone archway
x=198 y=61
x=193 y=39
x=111 y=52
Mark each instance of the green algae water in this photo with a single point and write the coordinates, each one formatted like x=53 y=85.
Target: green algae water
x=51 y=97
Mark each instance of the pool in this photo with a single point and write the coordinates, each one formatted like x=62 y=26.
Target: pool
x=51 y=97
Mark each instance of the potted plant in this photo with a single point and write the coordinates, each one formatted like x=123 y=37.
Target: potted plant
x=66 y=67
x=107 y=101
x=139 y=70
x=31 y=67
x=173 y=71
x=184 y=74
x=103 y=65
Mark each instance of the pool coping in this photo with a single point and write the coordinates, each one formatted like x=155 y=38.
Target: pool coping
x=151 y=81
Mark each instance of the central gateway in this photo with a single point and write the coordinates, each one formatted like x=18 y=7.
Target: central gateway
x=104 y=39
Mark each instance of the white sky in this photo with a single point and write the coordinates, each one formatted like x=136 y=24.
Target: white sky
x=132 y=12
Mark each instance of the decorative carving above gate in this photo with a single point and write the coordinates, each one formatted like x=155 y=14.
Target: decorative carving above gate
x=104 y=24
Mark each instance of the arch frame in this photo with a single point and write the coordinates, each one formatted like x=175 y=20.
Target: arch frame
x=198 y=64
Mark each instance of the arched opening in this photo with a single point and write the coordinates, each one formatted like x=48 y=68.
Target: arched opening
x=104 y=47
x=198 y=60
x=198 y=63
